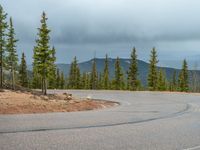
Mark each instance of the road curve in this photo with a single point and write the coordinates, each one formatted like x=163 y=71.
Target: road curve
x=143 y=120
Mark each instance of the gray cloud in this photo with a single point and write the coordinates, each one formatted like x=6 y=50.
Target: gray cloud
x=117 y=25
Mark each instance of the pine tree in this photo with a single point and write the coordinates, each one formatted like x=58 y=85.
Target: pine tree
x=183 y=78
x=71 y=76
x=152 y=76
x=94 y=76
x=3 y=27
x=36 y=79
x=58 y=79
x=100 y=82
x=133 y=72
x=52 y=70
x=74 y=75
x=106 y=74
x=180 y=82
x=87 y=81
x=23 y=77
x=78 y=78
x=62 y=81
x=161 y=81
x=119 y=80
x=83 y=80
x=12 y=57
x=43 y=53
x=173 y=82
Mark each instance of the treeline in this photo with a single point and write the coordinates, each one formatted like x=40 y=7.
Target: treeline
x=46 y=75
x=157 y=80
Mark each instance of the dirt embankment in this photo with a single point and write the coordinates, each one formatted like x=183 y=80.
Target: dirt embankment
x=12 y=102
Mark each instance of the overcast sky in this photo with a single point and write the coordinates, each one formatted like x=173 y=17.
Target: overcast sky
x=83 y=27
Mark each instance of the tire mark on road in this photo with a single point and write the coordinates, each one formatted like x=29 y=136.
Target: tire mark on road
x=193 y=148
x=188 y=106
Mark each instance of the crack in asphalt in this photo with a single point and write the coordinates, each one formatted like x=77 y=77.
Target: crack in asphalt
x=188 y=106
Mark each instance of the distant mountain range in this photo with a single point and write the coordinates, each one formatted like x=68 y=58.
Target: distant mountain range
x=142 y=68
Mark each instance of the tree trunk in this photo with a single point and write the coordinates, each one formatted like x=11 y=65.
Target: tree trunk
x=45 y=87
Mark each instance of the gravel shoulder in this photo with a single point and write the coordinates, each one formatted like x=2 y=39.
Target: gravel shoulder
x=17 y=102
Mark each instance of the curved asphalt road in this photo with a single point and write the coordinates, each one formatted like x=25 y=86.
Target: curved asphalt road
x=143 y=121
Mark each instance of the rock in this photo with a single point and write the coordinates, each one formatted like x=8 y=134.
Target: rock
x=67 y=96
x=46 y=98
x=88 y=97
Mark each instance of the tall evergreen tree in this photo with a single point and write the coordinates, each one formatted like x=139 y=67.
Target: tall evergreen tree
x=183 y=78
x=43 y=53
x=62 y=81
x=74 y=75
x=23 y=77
x=173 y=82
x=12 y=57
x=3 y=27
x=78 y=78
x=152 y=76
x=100 y=82
x=161 y=81
x=133 y=81
x=36 y=79
x=87 y=81
x=119 y=80
x=52 y=70
x=106 y=74
x=71 y=76
x=83 y=80
x=94 y=76
x=180 y=82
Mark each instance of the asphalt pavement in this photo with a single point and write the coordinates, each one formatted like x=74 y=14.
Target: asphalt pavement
x=142 y=121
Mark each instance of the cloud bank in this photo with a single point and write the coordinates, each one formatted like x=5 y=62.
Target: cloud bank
x=110 y=26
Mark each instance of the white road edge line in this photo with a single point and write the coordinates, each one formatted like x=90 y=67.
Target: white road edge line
x=192 y=148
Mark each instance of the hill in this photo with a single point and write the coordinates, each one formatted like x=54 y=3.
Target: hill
x=142 y=68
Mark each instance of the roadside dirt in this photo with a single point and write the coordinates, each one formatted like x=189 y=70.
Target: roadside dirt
x=12 y=102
